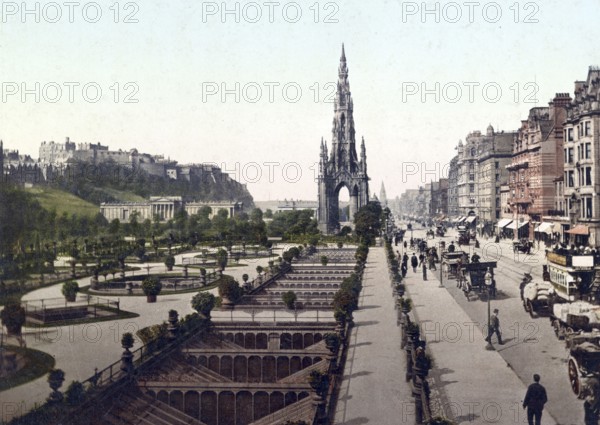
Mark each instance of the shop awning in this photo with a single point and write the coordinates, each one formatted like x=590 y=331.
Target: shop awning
x=580 y=229
x=461 y=219
x=513 y=225
x=545 y=228
x=504 y=222
x=471 y=219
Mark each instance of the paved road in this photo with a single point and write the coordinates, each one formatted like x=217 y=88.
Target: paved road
x=373 y=389
x=531 y=346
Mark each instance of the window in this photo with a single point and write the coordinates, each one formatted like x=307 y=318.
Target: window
x=588 y=151
x=570 y=155
x=587 y=208
x=588 y=176
x=471 y=177
x=497 y=190
x=565 y=155
x=471 y=188
x=497 y=202
x=571 y=178
x=569 y=134
x=497 y=177
x=497 y=165
x=587 y=128
x=473 y=151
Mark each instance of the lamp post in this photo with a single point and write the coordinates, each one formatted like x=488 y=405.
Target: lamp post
x=488 y=284
x=441 y=265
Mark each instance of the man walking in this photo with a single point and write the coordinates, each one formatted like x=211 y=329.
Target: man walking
x=494 y=328
x=414 y=262
x=535 y=398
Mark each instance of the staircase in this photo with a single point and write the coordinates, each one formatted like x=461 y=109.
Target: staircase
x=134 y=408
x=301 y=377
x=302 y=410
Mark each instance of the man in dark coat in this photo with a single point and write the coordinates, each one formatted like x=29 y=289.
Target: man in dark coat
x=414 y=262
x=494 y=328
x=535 y=398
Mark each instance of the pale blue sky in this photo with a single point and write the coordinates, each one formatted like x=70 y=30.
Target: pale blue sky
x=171 y=52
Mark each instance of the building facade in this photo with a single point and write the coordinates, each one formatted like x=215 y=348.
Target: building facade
x=480 y=172
x=536 y=164
x=581 y=183
x=164 y=208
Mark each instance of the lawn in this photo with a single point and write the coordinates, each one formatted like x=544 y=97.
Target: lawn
x=62 y=201
x=38 y=363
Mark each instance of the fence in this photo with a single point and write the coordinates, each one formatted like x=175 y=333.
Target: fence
x=55 y=309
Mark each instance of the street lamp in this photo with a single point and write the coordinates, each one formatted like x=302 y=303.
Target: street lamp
x=488 y=284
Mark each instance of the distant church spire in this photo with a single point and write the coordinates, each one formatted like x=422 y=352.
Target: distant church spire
x=383 y=196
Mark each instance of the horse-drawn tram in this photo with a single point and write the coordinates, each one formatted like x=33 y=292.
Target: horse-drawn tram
x=568 y=293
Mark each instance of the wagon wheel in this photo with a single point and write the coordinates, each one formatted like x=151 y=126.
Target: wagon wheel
x=530 y=308
x=574 y=377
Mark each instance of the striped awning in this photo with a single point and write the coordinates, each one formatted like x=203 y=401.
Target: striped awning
x=471 y=219
x=504 y=222
x=513 y=225
x=545 y=228
x=580 y=229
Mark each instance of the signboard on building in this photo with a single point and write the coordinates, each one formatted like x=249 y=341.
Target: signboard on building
x=557 y=258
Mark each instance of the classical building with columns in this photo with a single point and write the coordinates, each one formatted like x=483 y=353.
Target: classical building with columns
x=165 y=208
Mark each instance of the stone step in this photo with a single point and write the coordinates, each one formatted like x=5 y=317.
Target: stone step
x=302 y=410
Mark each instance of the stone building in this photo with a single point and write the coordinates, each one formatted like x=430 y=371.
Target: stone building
x=453 y=211
x=164 y=208
x=536 y=163
x=580 y=223
x=438 y=206
x=480 y=174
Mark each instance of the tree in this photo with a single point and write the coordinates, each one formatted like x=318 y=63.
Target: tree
x=289 y=299
x=170 y=262
x=367 y=221
x=75 y=394
x=230 y=289
x=221 y=259
x=324 y=260
x=56 y=377
x=70 y=289
x=203 y=302
x=13 y=317
x=151 y=286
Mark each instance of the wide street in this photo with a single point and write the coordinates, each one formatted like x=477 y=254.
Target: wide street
x=530 y=344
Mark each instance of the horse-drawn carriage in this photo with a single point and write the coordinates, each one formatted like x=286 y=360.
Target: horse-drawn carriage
x=584 y=362
x=451 y=262
x=476 y=272
x=522 y=245
x=440 y=230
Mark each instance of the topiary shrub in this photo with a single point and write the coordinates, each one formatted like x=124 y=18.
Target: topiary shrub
x=289 y=299
x=203 y=302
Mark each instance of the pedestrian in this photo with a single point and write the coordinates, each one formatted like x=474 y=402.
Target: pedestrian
x=414 y=262
x=432 y=262
x=404 y=269
x=404 y=244
x=494 y=328
x=451 y=247
x=535 y=398
x=421 y=259
x=424 y=271
x=405 y=258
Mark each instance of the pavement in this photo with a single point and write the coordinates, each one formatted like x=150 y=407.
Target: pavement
x=373 y=388
x=78 y=349
x=475 y=385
